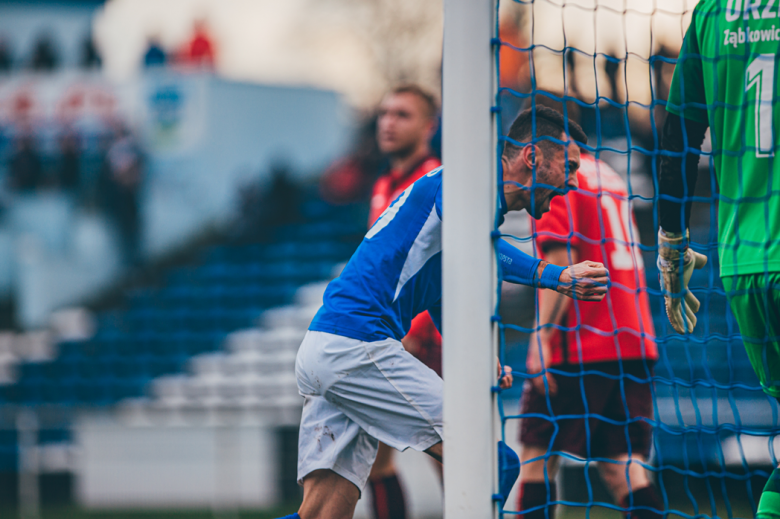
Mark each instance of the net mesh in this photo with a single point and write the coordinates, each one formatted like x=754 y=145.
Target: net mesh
x=693 y=415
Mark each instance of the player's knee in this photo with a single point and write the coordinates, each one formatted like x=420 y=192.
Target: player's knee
x=534 y=472
x=612 y=473
x=534 y=463
x=621 y=476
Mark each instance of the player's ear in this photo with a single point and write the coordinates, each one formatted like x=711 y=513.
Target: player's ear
x=530 y=154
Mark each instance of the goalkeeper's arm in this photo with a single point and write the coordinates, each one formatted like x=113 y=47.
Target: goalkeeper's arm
x=682 y=139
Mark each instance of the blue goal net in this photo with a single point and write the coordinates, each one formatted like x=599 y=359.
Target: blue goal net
x=623 y=400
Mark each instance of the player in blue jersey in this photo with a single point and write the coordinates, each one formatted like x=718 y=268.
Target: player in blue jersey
x=359 y=384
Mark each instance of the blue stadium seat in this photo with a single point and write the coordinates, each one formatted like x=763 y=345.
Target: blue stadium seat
x=158 y=329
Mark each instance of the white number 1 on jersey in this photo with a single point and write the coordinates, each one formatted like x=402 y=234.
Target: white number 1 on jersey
x=761 y=73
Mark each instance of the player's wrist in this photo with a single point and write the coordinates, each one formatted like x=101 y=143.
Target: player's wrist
x=669 y=234
x=671 y=245
x=548 y=275
x=539 y=270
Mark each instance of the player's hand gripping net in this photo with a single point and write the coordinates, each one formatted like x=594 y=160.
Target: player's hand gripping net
x=586 y=281
x=505 y=377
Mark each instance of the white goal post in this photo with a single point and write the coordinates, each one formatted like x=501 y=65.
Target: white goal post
x=469 y=267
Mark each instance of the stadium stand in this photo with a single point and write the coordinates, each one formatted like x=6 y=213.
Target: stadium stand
x=221 y=333
x=193 y=313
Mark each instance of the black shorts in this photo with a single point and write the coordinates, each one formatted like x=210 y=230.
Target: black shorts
x=610 y=429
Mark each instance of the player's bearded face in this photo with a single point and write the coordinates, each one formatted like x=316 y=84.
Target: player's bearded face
x=559 y=171
x=542 y=196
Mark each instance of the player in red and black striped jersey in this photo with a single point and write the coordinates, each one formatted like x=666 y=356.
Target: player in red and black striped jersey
x=614 y=340
x=407 y=120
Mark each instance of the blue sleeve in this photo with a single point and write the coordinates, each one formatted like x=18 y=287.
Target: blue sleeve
x=520 y=268
x=516 y=266
x=438 y=202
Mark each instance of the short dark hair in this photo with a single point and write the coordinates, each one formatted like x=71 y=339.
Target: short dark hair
x=426 y=97
x=549 y=123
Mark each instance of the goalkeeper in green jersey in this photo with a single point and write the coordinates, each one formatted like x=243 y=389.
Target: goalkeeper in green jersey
x=725 y=80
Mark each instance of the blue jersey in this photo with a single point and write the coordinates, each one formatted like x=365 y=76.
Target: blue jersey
x=395 y=273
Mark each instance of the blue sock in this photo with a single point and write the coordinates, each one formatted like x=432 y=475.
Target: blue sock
x=508 y=469
x=293 y=516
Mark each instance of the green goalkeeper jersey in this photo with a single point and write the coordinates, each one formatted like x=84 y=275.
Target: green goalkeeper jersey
x=726 y=77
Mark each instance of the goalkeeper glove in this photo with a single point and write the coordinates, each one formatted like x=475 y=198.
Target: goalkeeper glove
x=681 y=304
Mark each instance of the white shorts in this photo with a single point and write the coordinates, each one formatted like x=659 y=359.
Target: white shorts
x=358 y=393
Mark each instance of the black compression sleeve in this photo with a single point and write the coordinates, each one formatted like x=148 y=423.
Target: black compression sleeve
x=680 y=135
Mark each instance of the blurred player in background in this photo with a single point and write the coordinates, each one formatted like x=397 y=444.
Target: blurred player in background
x=407 y=120
x=614 y=337
x=725 y=79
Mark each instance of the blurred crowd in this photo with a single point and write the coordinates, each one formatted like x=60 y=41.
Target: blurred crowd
x=100 y=167
x=199 y=51
x=45 y=55
x=100 y=172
